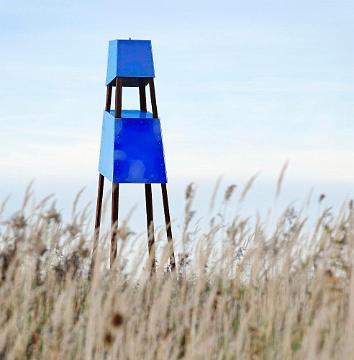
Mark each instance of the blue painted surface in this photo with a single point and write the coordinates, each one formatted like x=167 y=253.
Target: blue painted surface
x=132 y=149
x=134 y=114
x=129 y=58
x=107 y=147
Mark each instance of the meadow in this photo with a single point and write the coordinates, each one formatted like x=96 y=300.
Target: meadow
x=239 y=291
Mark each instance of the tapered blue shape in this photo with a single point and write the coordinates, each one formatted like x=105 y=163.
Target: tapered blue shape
x=130 y=59
x=131 y=148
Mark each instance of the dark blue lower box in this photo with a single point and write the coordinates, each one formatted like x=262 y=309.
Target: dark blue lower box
x=132 y=149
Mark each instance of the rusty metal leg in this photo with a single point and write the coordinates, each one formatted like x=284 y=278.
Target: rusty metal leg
x=168 y=224
x=98 y=217
x=108 y=97
x=150 y=225
x=118 y=99
x=115 y=200
x=153 y=98
x=98 y=210
x=142 y=97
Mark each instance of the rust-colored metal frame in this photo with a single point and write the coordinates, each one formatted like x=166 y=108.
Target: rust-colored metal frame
x=148 y=189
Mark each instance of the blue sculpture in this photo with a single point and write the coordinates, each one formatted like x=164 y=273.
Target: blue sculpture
x=131 y=143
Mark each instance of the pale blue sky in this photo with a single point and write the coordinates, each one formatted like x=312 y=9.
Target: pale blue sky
x=242 y=86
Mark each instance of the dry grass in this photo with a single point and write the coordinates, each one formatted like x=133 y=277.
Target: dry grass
x=239 y=292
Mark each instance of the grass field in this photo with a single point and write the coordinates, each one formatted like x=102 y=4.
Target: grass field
x=239 y=292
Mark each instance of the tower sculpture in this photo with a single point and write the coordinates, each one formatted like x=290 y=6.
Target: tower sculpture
x=131 y=143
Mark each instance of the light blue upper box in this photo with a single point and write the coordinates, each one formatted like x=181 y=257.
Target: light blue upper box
x=129 y=59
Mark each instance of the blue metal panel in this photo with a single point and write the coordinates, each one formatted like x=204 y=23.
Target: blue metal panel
x=129 y=58
x=112 y=61
x=137 y=153
x=105 y=166
x=134 y=114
